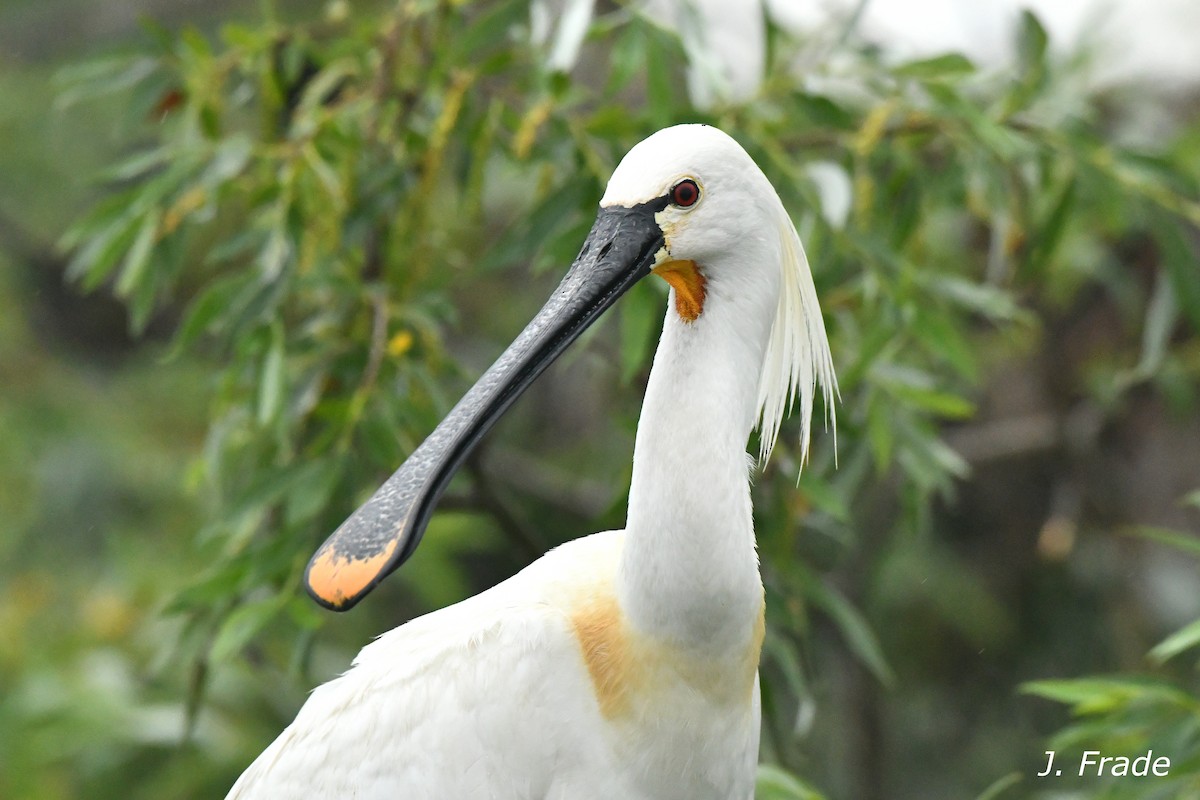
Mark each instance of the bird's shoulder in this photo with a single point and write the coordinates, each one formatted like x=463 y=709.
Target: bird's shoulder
x=533 y=603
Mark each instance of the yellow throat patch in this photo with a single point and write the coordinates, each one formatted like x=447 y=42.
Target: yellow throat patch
x=689 y=285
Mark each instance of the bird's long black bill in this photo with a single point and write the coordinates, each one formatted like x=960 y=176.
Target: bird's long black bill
x=384 y=531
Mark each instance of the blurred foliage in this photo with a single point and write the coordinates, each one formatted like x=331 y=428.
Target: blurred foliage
x=328 y=212
x=1136 y=715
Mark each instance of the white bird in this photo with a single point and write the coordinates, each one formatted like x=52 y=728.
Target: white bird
x=623 y=664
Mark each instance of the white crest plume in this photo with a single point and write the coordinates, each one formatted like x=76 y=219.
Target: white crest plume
x=797 y=356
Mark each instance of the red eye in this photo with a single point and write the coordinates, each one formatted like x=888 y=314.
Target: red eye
x=685 y=193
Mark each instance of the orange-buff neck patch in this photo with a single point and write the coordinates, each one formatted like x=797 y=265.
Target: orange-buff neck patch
x=688 y=282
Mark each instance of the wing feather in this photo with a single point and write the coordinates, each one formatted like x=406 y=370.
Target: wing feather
x=452 y=704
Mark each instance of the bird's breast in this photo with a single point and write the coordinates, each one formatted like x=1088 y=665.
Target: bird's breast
x=633 y=674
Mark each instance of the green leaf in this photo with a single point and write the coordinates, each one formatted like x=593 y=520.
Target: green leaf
x=547 y=219
x=988 y=301
x=206 y=312
x=228 y=160
x=1180 y=541
x=489 y=30
x=1051 y=231
x=137 y=259
x=665 y=57
x=946 y=339
x=272 y=379
x=880 y=432
x=209 y=591
x=916 y=389
x=1179 y=260
x=1091 y=696
x=95 y=79
x=1001 y=786
x=943 y=404
x=194 y=44
x=854 y=629
x=949 y=65
x=312 y=487
x=1162 y=313
x=327 y=176
x=139 y=165
x=774 y=783
x=99 y=253
x=824 y=496
x=275 y=254
x=1032 y=42
x=783 y=656
x=1183 y=639
x=626 y=58
x=947 y=459
x=824 y=113
x=321 y=88
x=244 y=624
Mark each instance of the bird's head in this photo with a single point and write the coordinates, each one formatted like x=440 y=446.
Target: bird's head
x=687 y=204
x=707 y=198
x=727 y=236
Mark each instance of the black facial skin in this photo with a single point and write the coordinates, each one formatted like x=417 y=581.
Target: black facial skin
x=619 y=251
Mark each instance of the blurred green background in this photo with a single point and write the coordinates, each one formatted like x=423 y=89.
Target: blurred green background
x=250 y=253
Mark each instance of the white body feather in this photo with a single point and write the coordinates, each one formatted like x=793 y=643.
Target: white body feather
x=490 y=698
x=624 y=664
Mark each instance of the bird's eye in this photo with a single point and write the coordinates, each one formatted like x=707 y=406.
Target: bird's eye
x=685 y=193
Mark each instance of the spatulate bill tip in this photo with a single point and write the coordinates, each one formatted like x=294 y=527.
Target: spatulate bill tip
x=338 y=579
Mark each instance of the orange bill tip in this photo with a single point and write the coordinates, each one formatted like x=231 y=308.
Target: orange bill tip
x=337 y=580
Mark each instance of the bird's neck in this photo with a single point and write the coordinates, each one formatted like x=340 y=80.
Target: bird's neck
x=689 y=569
